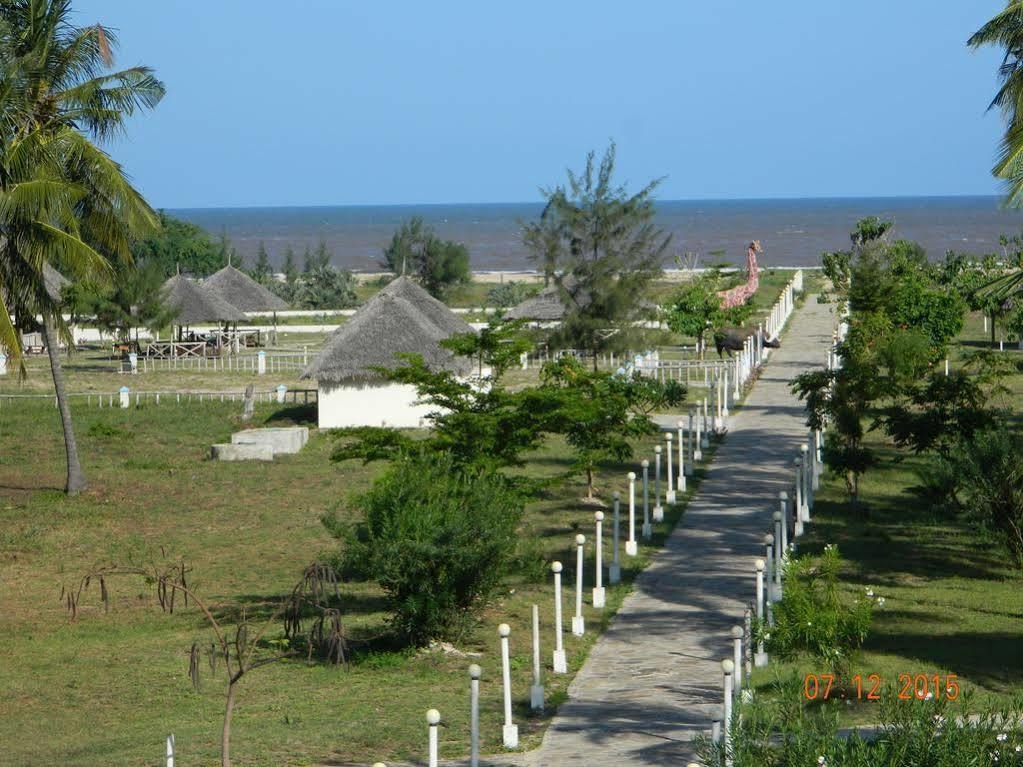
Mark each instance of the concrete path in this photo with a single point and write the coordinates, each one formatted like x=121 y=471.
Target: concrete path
x=653 y=680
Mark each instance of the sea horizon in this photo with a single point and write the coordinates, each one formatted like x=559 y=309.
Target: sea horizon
x=794 y=231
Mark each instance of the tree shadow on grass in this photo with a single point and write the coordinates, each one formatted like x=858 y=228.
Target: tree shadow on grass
x=296 y=415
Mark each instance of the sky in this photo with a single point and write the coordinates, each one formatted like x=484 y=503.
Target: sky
x=330 y=102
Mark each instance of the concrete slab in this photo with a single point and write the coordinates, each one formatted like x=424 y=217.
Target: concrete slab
x=243 y=452
x=280 y=439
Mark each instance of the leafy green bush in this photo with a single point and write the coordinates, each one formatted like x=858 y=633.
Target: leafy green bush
x=814 y=617
x=911 y=733
x=436 y=539
x=509 y=294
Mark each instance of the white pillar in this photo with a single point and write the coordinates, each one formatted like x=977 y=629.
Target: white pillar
x=760 y=659
x=536 y=691
x=694 y=436
x=804 y=451
x=170 y=750
x=433 y=720
x=683 y=469
x=724 y=398
x=578 y=624
x=769 y=572
x=797 y=506
x=647 y=530
x=475 y=672
x=511 y=730
x=783 y=500
x=726 y=725
x=779 y=553
x=282 y=390
x=669 y=493
x=614 y=572
x=658 y=509
x=598 y=589
x=261 y=363
x=737 y=655
x=737 y=391
x=631 y=547
x=705 y=432
x=691 y=445
x=125 y=397
x=560 y=663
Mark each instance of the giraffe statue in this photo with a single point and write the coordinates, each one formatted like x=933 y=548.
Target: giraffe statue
x=740 y=294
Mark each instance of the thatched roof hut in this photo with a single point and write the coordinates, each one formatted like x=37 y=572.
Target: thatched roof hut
x=547 y=305
x=54 y=282
x=400 y=319
x=195 y=304
x=242 y=292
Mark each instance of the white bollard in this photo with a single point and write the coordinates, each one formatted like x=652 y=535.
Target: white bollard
x=475 y=672
x=261 y=363
x=783 y=501
x=760 y=659
x=724 y=400
x=614 y=572
x=433 y=720
x=804 y=451
x=658 y=509
x=578 y=624
x=695 y=437
x=281 y=391
x=705 y=433
x=797 y=508
x=694 y=455
x=631 y=547
x=946 y=366
x=536 y=691
x=747 y=617
x=647 y=530
x=170 y=750
x=726 y=725
x=769 y=571
x=779 y=553
x=737 y=656
x=511 y=730
x=125 y=398
x=680 y=475
x=598 y=590
x=669 y=493
x=560 y=663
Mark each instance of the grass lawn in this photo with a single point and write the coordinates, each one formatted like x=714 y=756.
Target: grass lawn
x=954 y=600
x=108 y=688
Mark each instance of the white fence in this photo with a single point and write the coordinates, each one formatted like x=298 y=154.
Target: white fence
x=125 y=398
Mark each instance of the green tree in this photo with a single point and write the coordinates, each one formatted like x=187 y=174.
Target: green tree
x=307 y=260
x=65 y=202
x=182 y=246
x=436 y=539
x=695 y=308
x=1005 y=31
x=290 y=269
x=601 y=414
x=134 y=299
x=261 y=270
x=326 y=287
x=610 y=252
x=417 y=251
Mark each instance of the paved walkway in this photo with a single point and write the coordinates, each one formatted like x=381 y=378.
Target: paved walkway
x=653 y=680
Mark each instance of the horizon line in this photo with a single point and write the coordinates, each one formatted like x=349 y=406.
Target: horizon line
x=823 y=198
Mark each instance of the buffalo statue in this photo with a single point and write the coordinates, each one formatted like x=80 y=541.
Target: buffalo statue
x=733 y=339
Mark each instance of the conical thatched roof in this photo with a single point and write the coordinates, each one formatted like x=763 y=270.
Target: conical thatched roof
x=195 y=304
x=547 y=305
x=243 y=292
x=54 y=282
x=437 y=312
x=401 y=319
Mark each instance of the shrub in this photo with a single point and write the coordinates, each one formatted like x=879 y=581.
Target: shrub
x=436 y=539
x=814 y=617
x=991 y=485
x=509 y=294
x=911 y=733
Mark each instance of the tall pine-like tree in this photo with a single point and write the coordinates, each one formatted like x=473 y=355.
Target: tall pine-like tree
x=599 y=245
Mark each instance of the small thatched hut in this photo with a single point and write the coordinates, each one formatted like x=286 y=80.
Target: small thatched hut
x=548 y=305
x=401 y=319
x=194 y=304
x=243 y=292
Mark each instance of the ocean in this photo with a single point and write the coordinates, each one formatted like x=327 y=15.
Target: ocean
x=792 y=232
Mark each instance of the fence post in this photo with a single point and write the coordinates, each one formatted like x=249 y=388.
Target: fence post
x=125 y=403
x=560 y=663
x=536 y=691
x=510 y=730
x=598 y=589
x=631 y=547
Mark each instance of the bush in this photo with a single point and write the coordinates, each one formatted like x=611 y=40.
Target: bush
x=814 y=617
x=991 y=485
x=436 y=539
x=911 y=733
x=509 y=294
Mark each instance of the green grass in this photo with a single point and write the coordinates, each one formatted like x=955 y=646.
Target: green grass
x=953 y=597
x=108 y=688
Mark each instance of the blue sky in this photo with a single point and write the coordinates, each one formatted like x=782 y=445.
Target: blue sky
x=321 y=102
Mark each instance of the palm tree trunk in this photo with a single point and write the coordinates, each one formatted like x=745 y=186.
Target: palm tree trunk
x=75 y=478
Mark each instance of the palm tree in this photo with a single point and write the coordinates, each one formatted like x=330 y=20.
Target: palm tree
x=63 y=201
x=1005 y=31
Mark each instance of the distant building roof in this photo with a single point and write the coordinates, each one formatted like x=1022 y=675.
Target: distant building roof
x=195 y=304
x=400 y=319
x=547 y=305
x=243 y=292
